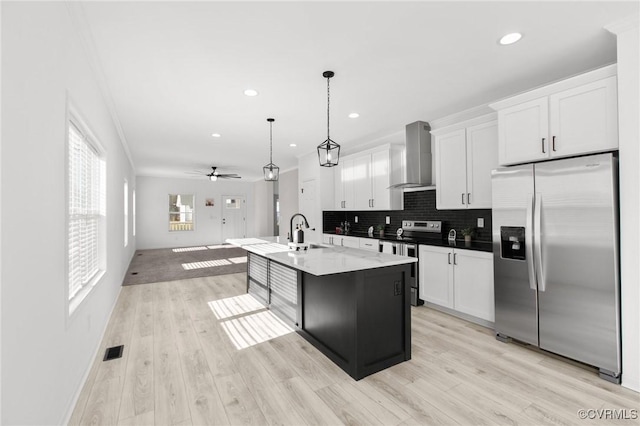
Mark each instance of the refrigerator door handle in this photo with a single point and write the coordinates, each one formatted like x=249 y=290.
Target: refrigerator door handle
x=538 y=240
x=528 y=237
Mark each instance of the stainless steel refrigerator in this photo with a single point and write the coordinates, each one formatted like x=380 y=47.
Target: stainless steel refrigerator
x=555 y=245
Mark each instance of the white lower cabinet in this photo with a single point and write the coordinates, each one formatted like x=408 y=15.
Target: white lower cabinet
x=458 y=279
x=341 y=240
x=369 y=244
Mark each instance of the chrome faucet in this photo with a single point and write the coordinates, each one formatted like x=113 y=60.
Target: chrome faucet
x=306 y=224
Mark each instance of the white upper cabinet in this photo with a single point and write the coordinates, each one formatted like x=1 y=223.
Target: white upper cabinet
x=362 y=180
x=482 y=158
x=464 y=157
x=584 y=119
x=575 y=116
x=523 y=132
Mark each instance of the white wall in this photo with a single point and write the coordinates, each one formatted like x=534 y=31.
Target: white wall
x=310 y=169
x=45 y=357
x=152 y=216
x=288 y=192
x=628 y=37
x=262 y=209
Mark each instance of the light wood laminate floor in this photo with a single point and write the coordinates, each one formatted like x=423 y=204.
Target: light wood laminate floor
x=180 y=366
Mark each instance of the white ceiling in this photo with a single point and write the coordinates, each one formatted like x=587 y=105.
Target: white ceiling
x=176 y=71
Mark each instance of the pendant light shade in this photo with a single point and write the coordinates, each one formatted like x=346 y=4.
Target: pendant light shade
x=271 y=171
x=328 y=151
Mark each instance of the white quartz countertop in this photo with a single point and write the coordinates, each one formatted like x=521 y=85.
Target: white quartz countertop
x=319 y=261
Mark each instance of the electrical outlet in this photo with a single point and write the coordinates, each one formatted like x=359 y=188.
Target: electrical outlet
x=481 y=222
x=356 y=219
x=397 y=288
x=388 y=220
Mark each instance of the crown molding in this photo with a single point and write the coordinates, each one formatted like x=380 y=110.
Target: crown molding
x=623 y=25
x=76 y=12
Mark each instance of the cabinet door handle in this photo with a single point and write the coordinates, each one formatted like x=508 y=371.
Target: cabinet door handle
x=543 y=151
x=372 y=202
x=454 y=258
x=468 y=198
x=462 y=198
x=553 y=143
x=449 y=258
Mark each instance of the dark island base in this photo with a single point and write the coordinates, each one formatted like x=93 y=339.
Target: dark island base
x=360 y=320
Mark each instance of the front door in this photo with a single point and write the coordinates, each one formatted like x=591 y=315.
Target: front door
x=233 y=217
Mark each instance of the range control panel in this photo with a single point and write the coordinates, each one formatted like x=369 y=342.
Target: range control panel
x=422 y=226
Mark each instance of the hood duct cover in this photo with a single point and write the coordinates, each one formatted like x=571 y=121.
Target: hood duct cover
x=417 y=156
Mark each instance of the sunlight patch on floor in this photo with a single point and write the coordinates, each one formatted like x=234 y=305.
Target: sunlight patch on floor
x=234 y=306
x=185 y=249
x=220 y=246
x=205 y=264
x=253 y=329
x=242 y=259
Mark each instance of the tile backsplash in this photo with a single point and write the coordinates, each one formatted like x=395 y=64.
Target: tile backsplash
x=420 y=205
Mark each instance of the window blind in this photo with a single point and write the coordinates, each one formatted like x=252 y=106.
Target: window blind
x=87 y=174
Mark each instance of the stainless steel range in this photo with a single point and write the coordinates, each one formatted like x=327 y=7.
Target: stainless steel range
x=406 y=244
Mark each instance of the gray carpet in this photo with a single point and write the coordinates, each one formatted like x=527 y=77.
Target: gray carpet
x=150 y=266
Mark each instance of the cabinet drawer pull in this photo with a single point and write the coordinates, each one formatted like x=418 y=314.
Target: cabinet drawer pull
x=553 y=143
x=468 y=198
x=462 y=198
x=449 y=258
x=454 y=258
x=543 y=151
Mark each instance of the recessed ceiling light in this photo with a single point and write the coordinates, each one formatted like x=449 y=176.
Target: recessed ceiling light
x=215 y=135
x=292 y=145
x=251 y=92
x=354 y=115
x=510 y=38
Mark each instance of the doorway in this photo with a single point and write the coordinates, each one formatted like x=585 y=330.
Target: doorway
x=234 y=221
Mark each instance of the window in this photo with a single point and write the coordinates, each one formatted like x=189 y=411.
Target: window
x=181 y=212
x=126 y=213
x=86 y=212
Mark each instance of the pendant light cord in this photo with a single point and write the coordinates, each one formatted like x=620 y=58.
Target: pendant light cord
x=328 y=100
x=271 y=142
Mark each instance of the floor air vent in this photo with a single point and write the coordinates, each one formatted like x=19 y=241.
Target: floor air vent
x=113 y=353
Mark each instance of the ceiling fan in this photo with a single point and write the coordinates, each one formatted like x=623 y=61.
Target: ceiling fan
x=215 y=175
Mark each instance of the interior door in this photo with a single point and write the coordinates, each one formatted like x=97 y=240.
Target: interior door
x=234 y=219
x=578 y=287
x=515 y=284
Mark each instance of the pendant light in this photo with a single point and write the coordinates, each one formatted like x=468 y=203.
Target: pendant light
x=328 y=151
x=271 y=171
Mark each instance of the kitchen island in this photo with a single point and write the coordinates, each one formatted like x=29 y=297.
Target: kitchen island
x=353 y=305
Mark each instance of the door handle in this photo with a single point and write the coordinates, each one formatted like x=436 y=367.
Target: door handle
x=372 y=202
x=543 y=151
x=553 y=143
x=468 y=198
x=449 y=258
x=463 y=198
x=537 y=241
x=455 y=262
x=528 y=243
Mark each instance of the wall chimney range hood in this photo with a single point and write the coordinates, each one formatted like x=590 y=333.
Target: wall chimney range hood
x=418 y=160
